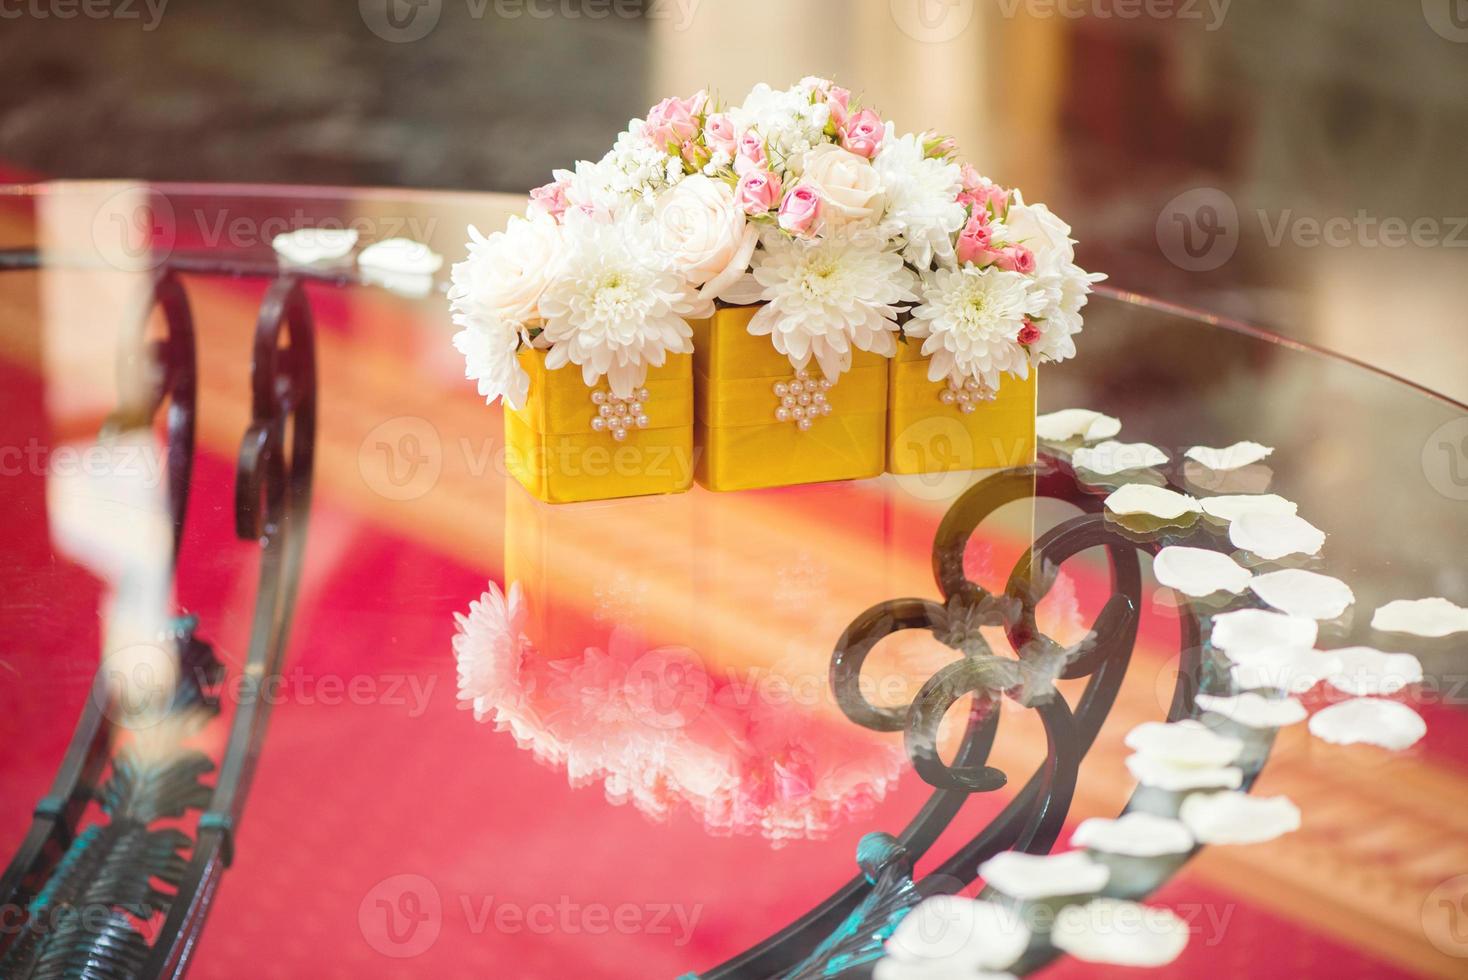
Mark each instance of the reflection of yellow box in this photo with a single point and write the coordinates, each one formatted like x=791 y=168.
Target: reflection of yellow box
x=552 y=448
x=926 y=435
x=598 y=569
x=741 y=443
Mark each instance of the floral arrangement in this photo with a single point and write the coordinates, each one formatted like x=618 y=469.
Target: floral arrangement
x=851 y=235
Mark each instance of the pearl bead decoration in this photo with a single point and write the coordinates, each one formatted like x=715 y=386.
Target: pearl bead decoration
x=802 y=399
x=619 y=415
x=968 y=394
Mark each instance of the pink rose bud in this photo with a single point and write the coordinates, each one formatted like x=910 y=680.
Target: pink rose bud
x=672 y=121
x=693 y=154
x=975 y=239
x=751 y=153
x=939 y=147
x=800 y=210
x=718 y=133
x=758 y=191
x=1029 y=333
x=863 y=133
x=551 y=198
x=1016 y=258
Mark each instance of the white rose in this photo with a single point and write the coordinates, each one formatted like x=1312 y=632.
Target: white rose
x=704 y=233
x=1038 y=229
x=850 y=188
x=505 y=273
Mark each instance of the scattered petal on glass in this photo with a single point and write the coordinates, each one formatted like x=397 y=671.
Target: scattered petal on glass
x=1031 y=876
x=1188 y=742
x=1421 y=617
x=1140 y=498
x=1273 y=536
x=307 y=245
x=1365 y=670
x=1199 y=572
x=1258 y=629
x=1076 y=423
x=401 y=255
x=1238 y=818
x=1234 y=457
x=1293 y=670
x=1109 y=930
x=960 y=933
x=1369 y=721
x=1254 y=710
x=1111 y=457
x=1135 y=834
x=1304 y=593
x=1176 y=777
x=410 y=284
x=1232 y=506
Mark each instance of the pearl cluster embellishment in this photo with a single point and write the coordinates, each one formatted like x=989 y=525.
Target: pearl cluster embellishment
x=966 y=394
x=802 y=399
x=619 y=415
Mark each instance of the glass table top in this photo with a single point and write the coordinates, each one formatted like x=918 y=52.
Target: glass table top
x=666 y=747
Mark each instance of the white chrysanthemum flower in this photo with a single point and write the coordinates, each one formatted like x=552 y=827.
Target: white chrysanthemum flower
x=618 y=305
x=489 y=645
x=488 y=346
x=922 y=199
x=1065 y=285
x=826 y=296
x=971 y=318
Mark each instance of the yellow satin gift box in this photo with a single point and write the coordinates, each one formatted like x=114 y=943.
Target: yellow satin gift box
x=743 y=439
x=928 y=431
x=563 y=446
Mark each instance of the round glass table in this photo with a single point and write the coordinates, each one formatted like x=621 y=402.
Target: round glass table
x=297 y=681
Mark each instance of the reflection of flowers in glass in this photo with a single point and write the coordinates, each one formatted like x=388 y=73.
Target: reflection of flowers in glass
x=658 y=730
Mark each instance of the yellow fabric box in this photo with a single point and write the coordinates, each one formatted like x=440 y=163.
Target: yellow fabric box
x=925 y=435
x=552 y=449
x=740 y=443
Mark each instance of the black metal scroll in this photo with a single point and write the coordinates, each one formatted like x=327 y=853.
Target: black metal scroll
x=126 y=866
x=841 y=936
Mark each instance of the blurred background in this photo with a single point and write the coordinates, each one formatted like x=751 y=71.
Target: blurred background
x=1299 y=164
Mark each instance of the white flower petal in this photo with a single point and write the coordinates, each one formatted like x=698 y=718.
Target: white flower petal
x=1134 y=834
x=1254 y=710
x=1234 y=457
x=1273 y=536
x=1109 y=930
x=1140 y=498
x=1232 y=506
x=961 y=933
x=401 y=255
x=1199 y=572
x=1188 y=743
x=1303 y=593
x=307 y=245
x=1369 y=721
x=1365 y=670
x=1111 y=457
x=891 y=968
x=1076 y=423
x=1256 y=629
x=1421 y=617
x=1238 y=818
x=1030 y=876
x=1293 y=670
x=1175 y=777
